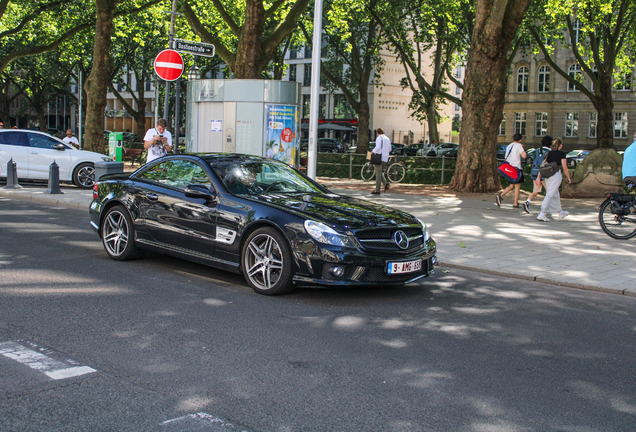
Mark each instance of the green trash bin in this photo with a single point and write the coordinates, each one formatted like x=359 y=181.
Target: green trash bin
x=116 y=146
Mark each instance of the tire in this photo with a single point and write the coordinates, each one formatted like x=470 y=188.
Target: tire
x=118 y=235
x=395 y=172
x=616 y=226
x=267 y=262
x=367 y=172
x=84 y=175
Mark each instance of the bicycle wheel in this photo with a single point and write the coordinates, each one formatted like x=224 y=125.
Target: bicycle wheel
x=616 y=226
x=395 y=172
x=368 y=172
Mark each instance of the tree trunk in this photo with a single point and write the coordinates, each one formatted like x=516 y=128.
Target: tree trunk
x=97 y=82
x=431 y=118
x=604 y=104
x=496 y=22
x=363 y=124
x=248 y=53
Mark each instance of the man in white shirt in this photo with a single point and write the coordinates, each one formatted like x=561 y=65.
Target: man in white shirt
x=70 y=139
x=382 y=147
x=158 y=141
x=514 y=154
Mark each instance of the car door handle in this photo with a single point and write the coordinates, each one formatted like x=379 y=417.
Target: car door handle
x=152 y=197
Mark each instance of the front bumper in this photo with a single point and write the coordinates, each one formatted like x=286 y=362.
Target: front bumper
x=356 y=268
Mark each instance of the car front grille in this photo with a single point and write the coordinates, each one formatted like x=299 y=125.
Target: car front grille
x=381 y=239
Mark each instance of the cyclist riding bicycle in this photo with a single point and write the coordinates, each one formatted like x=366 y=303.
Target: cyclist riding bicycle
x=629 y=163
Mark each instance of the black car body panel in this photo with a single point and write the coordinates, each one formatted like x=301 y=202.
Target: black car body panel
x=212 y=230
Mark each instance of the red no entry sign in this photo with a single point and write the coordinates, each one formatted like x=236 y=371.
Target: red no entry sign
x=169 y=65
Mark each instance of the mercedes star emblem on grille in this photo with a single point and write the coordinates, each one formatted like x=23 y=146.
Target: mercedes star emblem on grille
x=401 y=239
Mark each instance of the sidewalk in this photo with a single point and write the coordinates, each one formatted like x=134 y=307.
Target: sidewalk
x=473 y=233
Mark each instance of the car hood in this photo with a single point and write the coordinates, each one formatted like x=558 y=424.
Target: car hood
x=88 y=155
x=339 y=211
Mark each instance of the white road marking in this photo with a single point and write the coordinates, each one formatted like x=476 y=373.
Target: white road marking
x=52 y=368
x=204 y=418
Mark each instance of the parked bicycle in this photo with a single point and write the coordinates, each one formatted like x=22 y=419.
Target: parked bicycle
x=394 y=171
x=617 y=215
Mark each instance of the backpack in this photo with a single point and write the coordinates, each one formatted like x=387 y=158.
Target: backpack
x=548 y=169
x=536 y=164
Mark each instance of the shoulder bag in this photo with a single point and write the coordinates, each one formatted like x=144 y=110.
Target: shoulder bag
x=548 y=169
x=376 y=158
x=509 y=172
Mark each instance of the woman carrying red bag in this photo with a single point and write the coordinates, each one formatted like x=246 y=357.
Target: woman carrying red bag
x=514 y=154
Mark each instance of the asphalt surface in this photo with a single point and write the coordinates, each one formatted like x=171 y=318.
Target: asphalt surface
x=180 y=346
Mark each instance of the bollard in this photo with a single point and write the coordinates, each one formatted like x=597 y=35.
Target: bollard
x=54 y=179
x=12 y=175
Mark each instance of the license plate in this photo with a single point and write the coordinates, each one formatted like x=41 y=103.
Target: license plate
x=404 y=267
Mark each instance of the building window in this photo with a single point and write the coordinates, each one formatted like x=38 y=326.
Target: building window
x=522 y=79
x=307 y=75
x=322 y=106
x=293 y=54
x=341 y=108
x=458 y=90
x=593 y=122
x=458 y=72
x=571 y=124
x=541 y=124
x=520 y=123
x=307 y=52
x=575 y=72
x=502 y=126
x=292 y=72
x=620 y=125
x=624 y=82
x=543 y=85
x=457 y=108
x=576 y=28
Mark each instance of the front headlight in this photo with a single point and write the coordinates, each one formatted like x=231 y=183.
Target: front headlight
x=324 y=234
x=106 y=159
x=425 y=233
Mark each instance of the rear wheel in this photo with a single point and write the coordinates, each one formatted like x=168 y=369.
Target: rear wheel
x=84 y=176
x=367 y=172
x=616 y=226
x=118 y=235
x=395 y=172
x=267 y=262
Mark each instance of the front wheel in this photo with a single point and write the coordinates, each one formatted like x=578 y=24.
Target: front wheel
x=395 y=172
x=84 y=176
x=118 y=235
x=368 y=172
x=267 y=262
x=616 y=226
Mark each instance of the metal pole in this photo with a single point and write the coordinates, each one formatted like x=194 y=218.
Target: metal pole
x=170 y=45
x=80 y=109
x=156 y=99
x=175 y=146
x=315 y=82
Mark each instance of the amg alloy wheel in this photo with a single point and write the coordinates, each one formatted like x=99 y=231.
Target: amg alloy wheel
x=118 y=235
x=266 y=262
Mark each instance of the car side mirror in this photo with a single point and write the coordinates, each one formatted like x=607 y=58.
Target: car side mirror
x=199 y=191
x=59 y=147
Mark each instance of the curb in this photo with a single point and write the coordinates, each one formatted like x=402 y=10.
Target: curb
x=44 y=199
x=541 y=280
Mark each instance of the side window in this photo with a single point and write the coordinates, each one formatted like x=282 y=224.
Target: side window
x=181 y=173
x=154 y=173
x=13 y=138
x=40 y=141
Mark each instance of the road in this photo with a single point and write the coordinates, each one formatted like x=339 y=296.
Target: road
x=162 y=344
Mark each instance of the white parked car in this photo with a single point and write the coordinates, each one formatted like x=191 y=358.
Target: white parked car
x=34 y=151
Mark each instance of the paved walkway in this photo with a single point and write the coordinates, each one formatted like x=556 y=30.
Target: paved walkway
x=473 y=233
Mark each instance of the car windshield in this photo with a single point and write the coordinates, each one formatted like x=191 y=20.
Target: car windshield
x=260 y=177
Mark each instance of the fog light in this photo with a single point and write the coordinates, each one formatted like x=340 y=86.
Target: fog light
x=338 y=271
x=434 y=260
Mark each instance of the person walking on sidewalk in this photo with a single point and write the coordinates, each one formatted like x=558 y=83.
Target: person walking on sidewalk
x=552 y=201
x=514 y=154
x=629 y=163
x=383 y=148
x=536 y=163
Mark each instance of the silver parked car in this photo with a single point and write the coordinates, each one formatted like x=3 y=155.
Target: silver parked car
x=34 y=151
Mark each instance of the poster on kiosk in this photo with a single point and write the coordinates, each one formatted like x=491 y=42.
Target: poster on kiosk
x=281 y=135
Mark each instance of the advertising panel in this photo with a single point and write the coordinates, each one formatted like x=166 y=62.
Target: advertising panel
x=282 y=133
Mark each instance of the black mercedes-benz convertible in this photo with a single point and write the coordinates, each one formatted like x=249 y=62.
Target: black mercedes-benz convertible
x=261 y=218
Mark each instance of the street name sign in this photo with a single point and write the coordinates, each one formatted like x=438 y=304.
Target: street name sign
x=169 y=65
x=196 y=48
